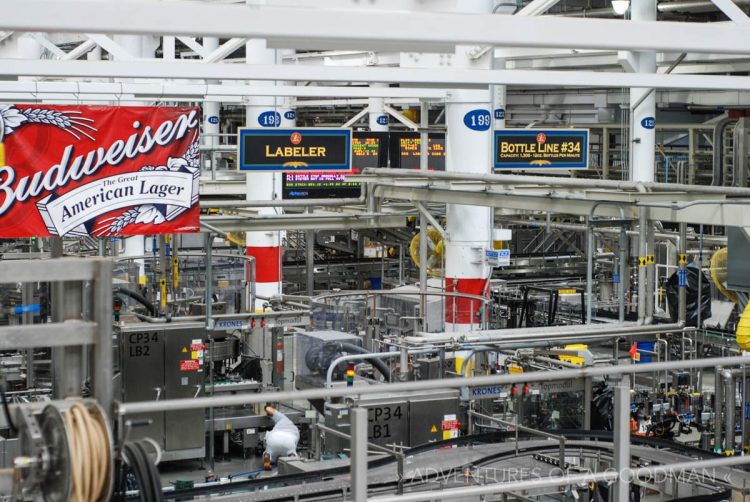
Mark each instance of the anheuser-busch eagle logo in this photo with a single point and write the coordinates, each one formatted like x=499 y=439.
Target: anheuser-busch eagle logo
x=99 y=171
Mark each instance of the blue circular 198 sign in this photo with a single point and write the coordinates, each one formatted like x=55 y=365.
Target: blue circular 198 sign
x=269 y=119
x=499 y=113
x=478 y=120
x=213 y=119
x=290 y=115
x=382 y=120
x=648 y=122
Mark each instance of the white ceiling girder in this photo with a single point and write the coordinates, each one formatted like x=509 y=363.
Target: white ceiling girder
x=537 y=8
x=80 y=50
x=113 y=91
x=111 y=46
x=453 y=77
x=312 y=27
x=45 y=42
x=732 y=11
x=193 y=45
x=225 y=50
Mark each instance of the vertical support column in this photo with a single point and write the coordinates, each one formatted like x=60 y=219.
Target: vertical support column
x=359 y=454
x=264 y=246
x=643 y=104
x=469 y=122
x=27 y=298
x=423 y=165
x=102 y=360
x=469 y=228
x=211 y=112
x=621 y=440
x=643 y=144
x=67 y=362
x=682 y=294
x=378 y=117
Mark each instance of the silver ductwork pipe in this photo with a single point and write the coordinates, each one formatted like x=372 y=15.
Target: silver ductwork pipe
x=528 y=335
x=694 y=6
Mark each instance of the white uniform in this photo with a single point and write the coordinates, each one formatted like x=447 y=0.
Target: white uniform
x=281 y=441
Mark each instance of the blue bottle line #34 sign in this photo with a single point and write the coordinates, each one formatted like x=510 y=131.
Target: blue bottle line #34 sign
x=541 y=149
x=295 y=150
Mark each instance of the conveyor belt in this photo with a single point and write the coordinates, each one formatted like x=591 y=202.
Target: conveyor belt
x=329 y=475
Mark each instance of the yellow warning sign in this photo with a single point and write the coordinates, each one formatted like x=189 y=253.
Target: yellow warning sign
x=566 y=291
x=434 y=428
x=682 y=259
x=514 y=369
x=184 y=350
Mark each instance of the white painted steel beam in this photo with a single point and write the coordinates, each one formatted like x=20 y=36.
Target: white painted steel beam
x=733 y=12
x=193 y=45
x=80 y=50
x=110 y=46
x=312 y=27
x=225 y=50
x=113 y=91
x=454 y=77
x=537 y=8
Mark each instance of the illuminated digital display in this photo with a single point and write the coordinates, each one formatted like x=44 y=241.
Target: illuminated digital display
x=405 y=151
x=369 y=149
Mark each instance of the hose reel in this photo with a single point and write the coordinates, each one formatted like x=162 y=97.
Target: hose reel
x=66 y=452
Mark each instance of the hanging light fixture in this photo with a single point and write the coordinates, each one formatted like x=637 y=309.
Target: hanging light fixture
x=620 y=6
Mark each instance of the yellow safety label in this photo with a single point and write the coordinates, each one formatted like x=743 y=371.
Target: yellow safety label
x=642 y=261
x=650 y=260
x=566 y=291
x=515 y=369
x=682 y=259
x=184 y=350
x=434 y=428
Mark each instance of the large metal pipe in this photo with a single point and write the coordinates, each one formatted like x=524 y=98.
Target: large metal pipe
x=717 y=240
x=696 y=6
x=729 y=403
x=551 y=181
x=718 y=150
x=718 y=407
x=531 y=334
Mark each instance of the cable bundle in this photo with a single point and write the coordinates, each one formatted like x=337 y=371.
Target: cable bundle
x=90 y=454
x=144 y=470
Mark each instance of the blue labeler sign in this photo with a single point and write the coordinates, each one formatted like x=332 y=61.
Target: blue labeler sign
x=478 y=120
x=382 y=120
x=295 y=150
x=213 y=119
x=499 y=113
x=616 y=278
x=290 y=115
x=269 y=119
x=648 y=122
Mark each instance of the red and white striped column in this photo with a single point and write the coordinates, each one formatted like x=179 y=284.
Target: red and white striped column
x=265 y=247
x=469 y=228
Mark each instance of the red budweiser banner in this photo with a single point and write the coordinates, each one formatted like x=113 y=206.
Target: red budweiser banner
x=98 y=170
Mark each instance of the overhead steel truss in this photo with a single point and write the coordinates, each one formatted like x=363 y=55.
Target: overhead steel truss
x=383 y=30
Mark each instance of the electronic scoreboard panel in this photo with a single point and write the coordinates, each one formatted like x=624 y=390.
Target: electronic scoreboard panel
x=369 y=149
x=405 y=151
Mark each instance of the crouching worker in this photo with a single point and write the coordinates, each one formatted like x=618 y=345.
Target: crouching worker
x=281 y=441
